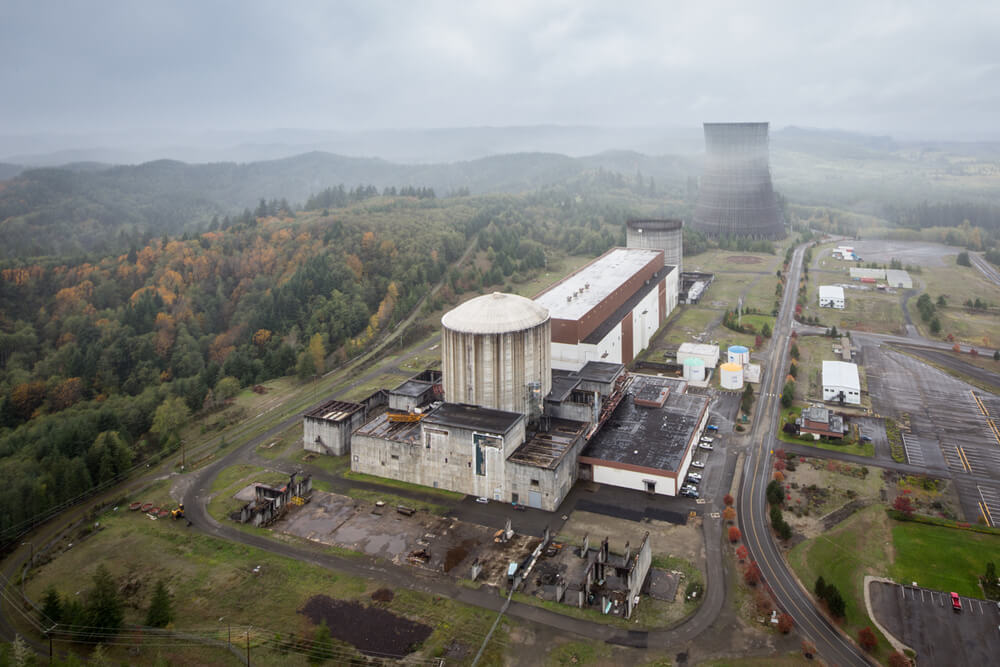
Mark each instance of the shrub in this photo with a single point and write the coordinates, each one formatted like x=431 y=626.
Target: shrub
x=751 y=574
x=728 y=500
x=785 y=624
x=734 y=534
x=867 y=639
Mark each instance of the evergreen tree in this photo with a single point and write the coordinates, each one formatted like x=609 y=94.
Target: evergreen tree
x=51 y=606
x=160 y=612
x=322 y=647
x=104 y=609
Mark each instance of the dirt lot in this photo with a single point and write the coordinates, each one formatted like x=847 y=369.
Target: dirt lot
x=371 y=630
x=441 y=544
x=818 y=489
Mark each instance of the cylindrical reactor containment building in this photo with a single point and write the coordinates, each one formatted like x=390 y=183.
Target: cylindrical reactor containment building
x=496 y=353
x=665 y=235
x=731 y=376
x=735 y=195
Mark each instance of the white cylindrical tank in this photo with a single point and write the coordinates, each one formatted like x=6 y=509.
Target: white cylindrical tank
x=731 y=376
x=694 y=369
x=738 y=354
x=496 y=353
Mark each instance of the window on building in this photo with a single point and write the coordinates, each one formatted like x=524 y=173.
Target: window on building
x=395 y=457
x=534 y=482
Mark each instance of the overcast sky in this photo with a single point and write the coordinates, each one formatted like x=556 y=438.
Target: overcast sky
x=917 y=69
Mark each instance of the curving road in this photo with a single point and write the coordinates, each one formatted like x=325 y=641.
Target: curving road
x=831 y=644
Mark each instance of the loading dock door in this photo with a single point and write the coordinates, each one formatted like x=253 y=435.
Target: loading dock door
x=535 y=499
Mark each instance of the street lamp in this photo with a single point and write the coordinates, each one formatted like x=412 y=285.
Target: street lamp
x=31 y=546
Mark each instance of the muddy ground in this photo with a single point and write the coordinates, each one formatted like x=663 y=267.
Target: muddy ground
x=371 y=630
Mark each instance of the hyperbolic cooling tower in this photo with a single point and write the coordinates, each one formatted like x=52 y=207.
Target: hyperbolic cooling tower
x=496 y=353
x=736 y=197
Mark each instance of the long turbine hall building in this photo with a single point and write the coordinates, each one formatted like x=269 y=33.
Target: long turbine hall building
x=609 y=310
x=735 y=196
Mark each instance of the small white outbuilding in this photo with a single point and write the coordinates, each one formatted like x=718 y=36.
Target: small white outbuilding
x=831 y=296
x=841 y=382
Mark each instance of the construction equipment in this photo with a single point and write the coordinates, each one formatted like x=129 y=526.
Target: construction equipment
x=177 y=513
x=405 y=417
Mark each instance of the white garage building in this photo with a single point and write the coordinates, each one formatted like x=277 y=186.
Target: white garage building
x=841 y=382
x=831 y=296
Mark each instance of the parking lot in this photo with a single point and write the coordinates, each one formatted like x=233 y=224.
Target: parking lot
x=950 y=433
x=924 y=620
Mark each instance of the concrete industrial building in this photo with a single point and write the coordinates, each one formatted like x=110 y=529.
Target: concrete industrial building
x=495 y=353
x=327 y=428
x=707 y=353
x=665 y=235
x=831 y=296
x=609 y=309
x=735 y=195
x=530 y=456
x=651 y=441
x=859 y=273
x=841 y=382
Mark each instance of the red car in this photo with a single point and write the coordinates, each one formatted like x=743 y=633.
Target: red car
x=956 y=602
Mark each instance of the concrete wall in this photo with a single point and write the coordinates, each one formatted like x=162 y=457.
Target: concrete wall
x=831 y=303
x=444 y=458
x=574 y=357
x=326 y=437
x=494 y=370
x=644 y=326
x=553 y=485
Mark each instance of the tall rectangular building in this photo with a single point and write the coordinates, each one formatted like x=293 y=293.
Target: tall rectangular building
x=609 y=309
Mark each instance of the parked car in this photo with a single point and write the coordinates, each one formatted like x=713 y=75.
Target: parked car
x=694 y=480
x=482 y=499
x=694 y=476
x=697 y=464
x=689 y=493
x=706 y=438
x=712 y=427
x=705 y=445
x=956 y=602
x=866 y=438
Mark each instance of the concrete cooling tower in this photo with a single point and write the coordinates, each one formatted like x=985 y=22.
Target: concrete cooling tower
x=496 y=353
x=736 y=197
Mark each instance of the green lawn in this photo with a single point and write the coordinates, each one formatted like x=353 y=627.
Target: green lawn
x=843 y=556
x=946 y=559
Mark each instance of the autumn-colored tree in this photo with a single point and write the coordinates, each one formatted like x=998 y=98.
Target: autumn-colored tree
x=26 y=397
x=751 y=574
x=742 y=552
x=780 y=465
x=734 y=534
x=903 y=504
x=66 y=393
x=867 y=639
x=318 y=353
x=897 y=659
x=261 y=337
x=729 y=514
x=785 y=623
x=973 y=352
x=728 y=500
x=778 y=476
x=808 y=648
x=956 y=348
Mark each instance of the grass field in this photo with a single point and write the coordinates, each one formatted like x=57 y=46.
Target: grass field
x=946 y=559
x=231 y=480
x=843 y=556
x=398 y=484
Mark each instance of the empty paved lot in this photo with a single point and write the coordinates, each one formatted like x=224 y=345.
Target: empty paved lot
x=923 y=620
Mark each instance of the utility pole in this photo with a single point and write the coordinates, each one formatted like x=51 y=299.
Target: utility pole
x=248 y=645
x=31 y=558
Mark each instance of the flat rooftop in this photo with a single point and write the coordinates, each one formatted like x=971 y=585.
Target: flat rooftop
x=412 y=388
x=473 y=417
x=334 y=410
x=547 y=448
x=610 y=322
x=597 y=280
x=562 y=387
x=600 y=371
x=654 y=438
x=381 y=427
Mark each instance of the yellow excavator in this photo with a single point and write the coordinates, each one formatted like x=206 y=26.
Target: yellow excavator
x=177 y=513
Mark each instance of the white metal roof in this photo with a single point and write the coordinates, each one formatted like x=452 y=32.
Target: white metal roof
x=701 y=349
x=841 y=374
x=495 y=313
x=575 y=296
x=897 y=277
x=858 y=272
x=831 y=292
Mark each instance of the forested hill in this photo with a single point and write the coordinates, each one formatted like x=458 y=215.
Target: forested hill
x=71 y=210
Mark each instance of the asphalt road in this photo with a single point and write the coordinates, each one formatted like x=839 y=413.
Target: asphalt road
x=832 y=646
x=985 y=268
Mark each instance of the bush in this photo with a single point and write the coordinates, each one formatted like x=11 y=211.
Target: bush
x=785 y=624
x=775 y=493
x=867 y=639
x=751 y=574
x=963 y=259
x=734 y=534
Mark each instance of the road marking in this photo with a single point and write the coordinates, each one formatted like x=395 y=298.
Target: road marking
x=965 y=459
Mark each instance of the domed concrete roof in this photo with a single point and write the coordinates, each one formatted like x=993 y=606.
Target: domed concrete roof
x=495 y=313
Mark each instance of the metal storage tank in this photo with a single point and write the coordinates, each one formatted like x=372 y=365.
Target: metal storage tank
x=731 y=376
x=735 y=195
x=738 y=354
x=496 y=353
x=665 y=235
x=694 y=369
